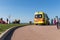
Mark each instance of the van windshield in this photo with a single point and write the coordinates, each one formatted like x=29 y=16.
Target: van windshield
x=38 y=16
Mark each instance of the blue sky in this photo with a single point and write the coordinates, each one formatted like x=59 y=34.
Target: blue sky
x=25 y=9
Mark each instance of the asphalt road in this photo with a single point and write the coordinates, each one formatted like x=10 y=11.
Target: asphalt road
x=36 y=32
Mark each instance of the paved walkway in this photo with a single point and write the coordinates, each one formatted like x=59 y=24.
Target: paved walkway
x=34 y=32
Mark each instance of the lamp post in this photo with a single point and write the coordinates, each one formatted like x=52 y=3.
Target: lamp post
x=9 y=19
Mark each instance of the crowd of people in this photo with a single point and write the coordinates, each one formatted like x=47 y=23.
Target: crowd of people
x=55 y=20
x=8 y=21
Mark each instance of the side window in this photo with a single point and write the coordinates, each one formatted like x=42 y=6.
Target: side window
x=46 y=17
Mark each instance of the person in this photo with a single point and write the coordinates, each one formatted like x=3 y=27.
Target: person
x=52 y=21
x=30 y=22
x=57 y=22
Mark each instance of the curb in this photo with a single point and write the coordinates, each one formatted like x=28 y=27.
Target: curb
x=4 y=34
